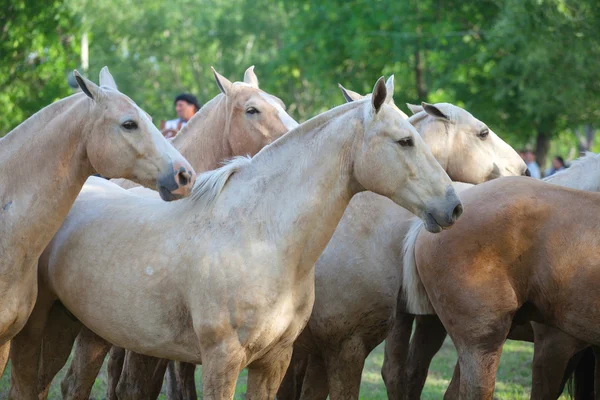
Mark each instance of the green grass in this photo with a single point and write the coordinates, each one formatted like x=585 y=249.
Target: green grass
x=513 y=378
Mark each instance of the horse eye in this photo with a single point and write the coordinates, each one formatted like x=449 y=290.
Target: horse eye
x=406 y=142
x=483 y=134
x=252 y=110
x=129 y=125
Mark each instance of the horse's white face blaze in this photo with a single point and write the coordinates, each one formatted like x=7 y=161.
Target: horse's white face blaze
x=261 y=117
x=394 y=161
x=122 y=142
x=477 y=153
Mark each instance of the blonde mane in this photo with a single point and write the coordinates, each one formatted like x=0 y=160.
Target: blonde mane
x=210 y=184
x=583 y=174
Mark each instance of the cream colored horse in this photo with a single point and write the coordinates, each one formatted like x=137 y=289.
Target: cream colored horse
x=43 y=165
x=239 y=121
x=226 y=278
x=357 y=277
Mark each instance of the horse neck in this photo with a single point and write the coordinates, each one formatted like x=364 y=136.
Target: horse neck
x=44 y=163
x=438 y=144
x=203 y=141
x=306 y=182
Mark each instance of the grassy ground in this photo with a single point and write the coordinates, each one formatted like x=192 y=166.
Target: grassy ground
x=513 y=379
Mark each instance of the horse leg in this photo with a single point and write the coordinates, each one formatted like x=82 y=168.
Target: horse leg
x=59 y=336
x=173 y=389
x=142 y=377
x=426 y=342
x=395 y=357
x=452 y=392
x=90 y=351
x=344 y=369
x=116 y=358
x=4 y=353
x=552 y=351
x=221 y=369
x=265 y=376
x=315 y=385
x=185 y=380
x=291 y=386
x=26 y=349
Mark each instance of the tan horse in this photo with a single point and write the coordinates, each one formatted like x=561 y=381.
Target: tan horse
x=357 y=277
x=97 y=131
x=233 y=285
x=406 y=373
x=239 y=121
x=522 y=254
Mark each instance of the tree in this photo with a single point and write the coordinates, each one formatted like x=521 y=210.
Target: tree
x=38 y=48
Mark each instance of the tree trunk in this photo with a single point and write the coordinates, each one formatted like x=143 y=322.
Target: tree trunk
x=585 y=138
x=420 y=69
x=542 y=145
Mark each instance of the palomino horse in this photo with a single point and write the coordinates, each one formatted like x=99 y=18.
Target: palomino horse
x=97 y=131
x=357 y=277
x=406 y=372
x=520 y=254
x=239 y=121
x=233 y=283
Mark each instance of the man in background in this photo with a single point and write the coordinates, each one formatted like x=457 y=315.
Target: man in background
x=532 y=165
x=186 y=105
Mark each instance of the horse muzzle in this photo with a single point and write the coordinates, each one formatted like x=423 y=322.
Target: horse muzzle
x=178 y=183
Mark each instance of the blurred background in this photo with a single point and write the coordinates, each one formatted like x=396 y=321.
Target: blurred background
x=528 y=68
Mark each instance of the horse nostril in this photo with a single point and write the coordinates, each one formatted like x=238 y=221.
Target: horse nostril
x=457 y=212
x=183 y=177
x=527 y=173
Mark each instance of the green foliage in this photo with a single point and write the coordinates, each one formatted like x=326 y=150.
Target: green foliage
x=38 y=47
x=526 y=67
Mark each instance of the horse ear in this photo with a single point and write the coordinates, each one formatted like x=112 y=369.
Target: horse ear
x=223 y=83
x=414 y=108
x=389 y=85
x=88 y=87
x=349 y=95
x=250 y=77
x=379 y=94
x=106 y=79
x=433 y=110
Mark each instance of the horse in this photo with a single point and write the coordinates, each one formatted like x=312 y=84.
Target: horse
x=357 y=277
x=539 y=264
x=405 y=372
x=99 y=130
x=226 y=277
x=240 y=120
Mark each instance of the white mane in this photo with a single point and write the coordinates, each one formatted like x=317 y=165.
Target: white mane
x=210 y=184
x=583 y=174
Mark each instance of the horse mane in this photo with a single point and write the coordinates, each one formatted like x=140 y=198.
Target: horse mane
x=574 y=176
x=210 y=184
x=313 y=124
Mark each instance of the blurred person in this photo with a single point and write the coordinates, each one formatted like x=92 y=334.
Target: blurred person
x=532 y=165
x=558 y=164
x=186 y=105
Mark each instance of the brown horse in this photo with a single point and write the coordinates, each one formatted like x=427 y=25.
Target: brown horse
x=519 y=252
x=45 y=161
x=241 y=120
x=406 y=365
